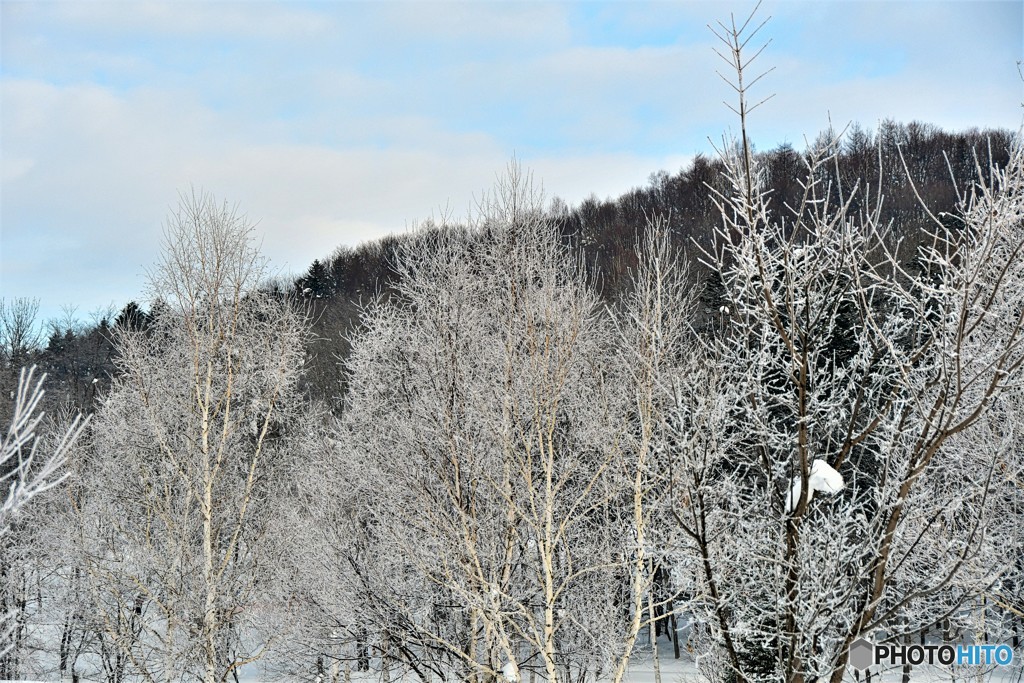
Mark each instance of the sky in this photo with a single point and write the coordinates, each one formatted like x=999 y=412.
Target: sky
x=335 y=123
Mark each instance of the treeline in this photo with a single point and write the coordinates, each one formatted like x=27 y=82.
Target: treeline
x=79 y=357
x=605 y=232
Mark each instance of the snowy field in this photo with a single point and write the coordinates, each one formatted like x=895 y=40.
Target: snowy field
x=684 y=670
x=642 y=669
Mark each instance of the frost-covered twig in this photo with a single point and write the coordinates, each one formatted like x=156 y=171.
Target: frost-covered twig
x=24 y=471
x=22 y=474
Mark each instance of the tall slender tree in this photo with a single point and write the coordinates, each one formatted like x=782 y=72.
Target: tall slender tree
x=189 y=451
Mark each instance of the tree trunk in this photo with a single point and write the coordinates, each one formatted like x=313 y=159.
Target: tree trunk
x=653 y=627
x=674 y=625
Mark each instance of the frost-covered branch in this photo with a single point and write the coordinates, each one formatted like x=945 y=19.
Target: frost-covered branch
x=24 y=471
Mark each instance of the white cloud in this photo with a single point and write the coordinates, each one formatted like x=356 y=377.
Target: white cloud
x=106 y=167
x=14 y=168
x=458 y=26
x=262 y=19
x=338 y=122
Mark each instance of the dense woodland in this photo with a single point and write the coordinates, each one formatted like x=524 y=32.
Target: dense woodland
x=762 y=408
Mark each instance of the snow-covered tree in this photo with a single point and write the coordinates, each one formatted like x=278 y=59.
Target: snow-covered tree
x=836 y=459
x=27 y=470
x=485 y=405
x=188 y=454
x=654 y=323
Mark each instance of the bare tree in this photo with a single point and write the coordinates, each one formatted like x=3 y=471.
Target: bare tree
x=838 y=369
x=18 y=331
x=654 y=324
x=486 y=400
x=25 y=473
x=192 y=445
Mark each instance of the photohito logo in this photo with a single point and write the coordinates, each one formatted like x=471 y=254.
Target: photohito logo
x=863 y=653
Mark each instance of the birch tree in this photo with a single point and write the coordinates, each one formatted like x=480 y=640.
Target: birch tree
x=655 y=323
x=486 y=396
x=188 y=452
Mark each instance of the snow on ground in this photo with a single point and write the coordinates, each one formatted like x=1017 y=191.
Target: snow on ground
x=684 y=670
